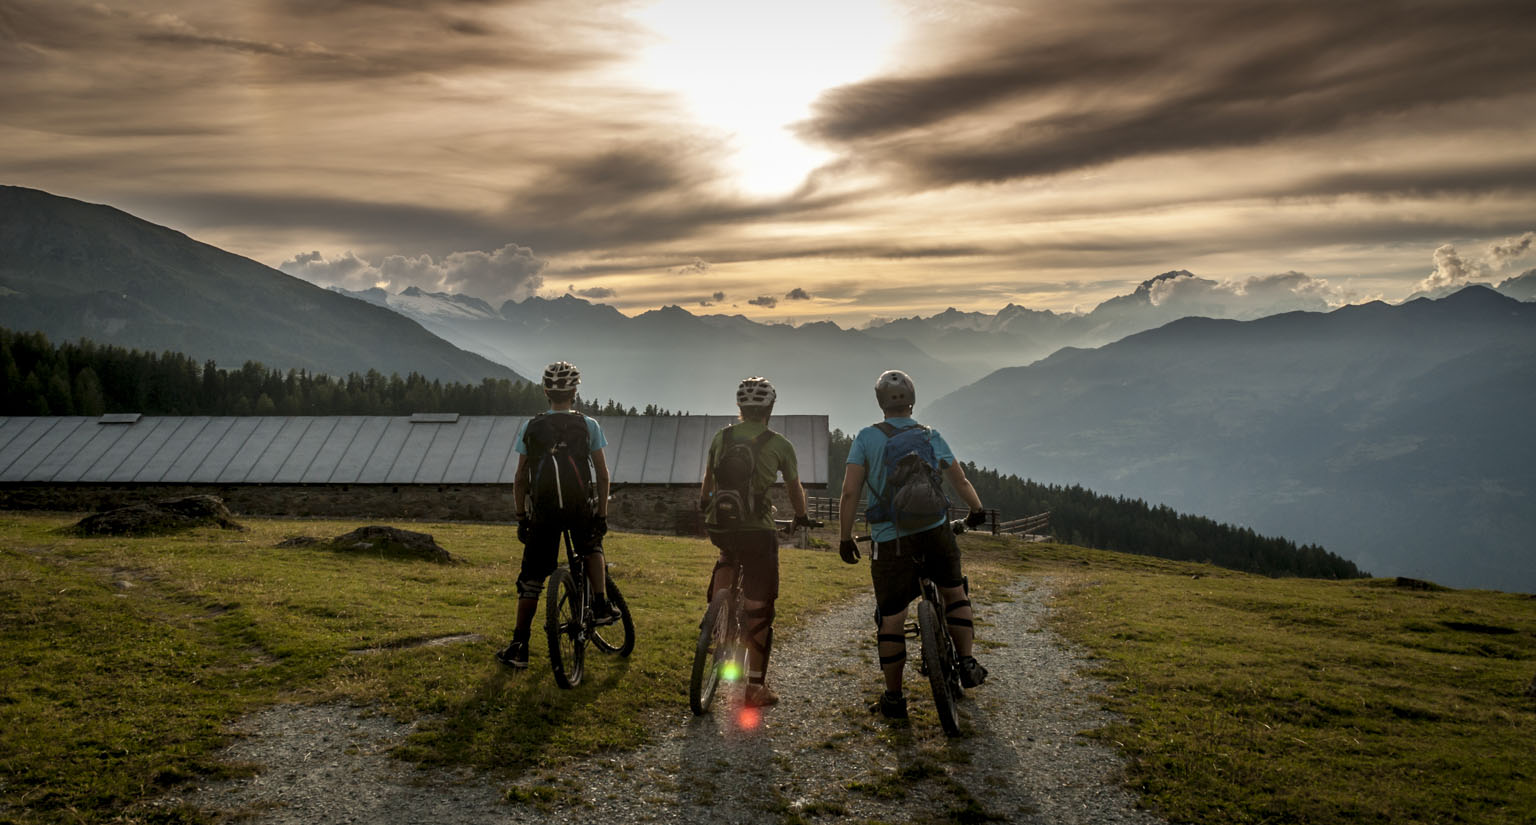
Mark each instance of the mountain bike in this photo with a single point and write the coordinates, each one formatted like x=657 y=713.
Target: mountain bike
x=720 y=654
x=939 y=660
x=569 y=622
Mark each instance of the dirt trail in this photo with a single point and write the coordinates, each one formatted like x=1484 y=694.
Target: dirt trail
x=819 y=755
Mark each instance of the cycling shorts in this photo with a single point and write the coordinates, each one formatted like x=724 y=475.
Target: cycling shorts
x=758 y=553
x=894 y=568
x=542 y=554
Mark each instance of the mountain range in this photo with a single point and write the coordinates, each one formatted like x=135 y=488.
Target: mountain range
x=76 y=270
x=684 y=361
x=1398 y=437
x=673 y=358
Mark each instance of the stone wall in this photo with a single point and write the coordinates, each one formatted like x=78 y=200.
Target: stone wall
x=450 y=502
x=636 y=508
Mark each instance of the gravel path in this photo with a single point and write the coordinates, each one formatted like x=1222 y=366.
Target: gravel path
x=819 y=755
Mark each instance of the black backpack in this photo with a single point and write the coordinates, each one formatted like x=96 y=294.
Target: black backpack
x=559 y=467
x=736 y=502
x=914 y=490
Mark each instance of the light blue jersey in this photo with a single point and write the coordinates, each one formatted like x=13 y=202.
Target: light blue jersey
x=595 y=439
x=868 y=451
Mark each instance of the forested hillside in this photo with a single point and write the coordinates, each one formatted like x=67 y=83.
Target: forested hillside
x=84 y=378
x=1083 y=517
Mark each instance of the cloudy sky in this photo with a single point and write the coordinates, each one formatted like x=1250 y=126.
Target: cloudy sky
x=798 y=160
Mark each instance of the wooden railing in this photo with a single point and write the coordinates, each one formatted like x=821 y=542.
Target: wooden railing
x=827 y=509
x=1036 y=527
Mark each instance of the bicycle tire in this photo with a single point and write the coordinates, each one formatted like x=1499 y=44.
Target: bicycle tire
x=935 y=655
x=710 y=653
x=616 y=638
x=564 y=626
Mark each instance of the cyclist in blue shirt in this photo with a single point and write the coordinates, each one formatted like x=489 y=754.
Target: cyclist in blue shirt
x=541 y=536
x=891 y=555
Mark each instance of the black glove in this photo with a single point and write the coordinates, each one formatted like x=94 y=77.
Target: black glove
x=976 y=518
x=805 y=521
x=524 y=527
x=849 y=550
x=599 y=526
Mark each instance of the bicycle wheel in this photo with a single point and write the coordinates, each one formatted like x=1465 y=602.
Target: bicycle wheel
x=618 y=637
x=939 y=665
x=563 y=624
x=711 y=652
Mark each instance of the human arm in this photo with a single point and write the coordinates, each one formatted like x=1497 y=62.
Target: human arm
x=848 y=503
x=796 y=497
x=520 y=488
x=600 y=476
x=955 y=475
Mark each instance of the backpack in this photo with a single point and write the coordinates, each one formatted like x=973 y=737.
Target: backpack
x=735 y=502
x=560 y=467
x=914 y=491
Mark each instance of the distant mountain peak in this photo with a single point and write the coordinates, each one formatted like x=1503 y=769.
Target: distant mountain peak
x=1171 y=275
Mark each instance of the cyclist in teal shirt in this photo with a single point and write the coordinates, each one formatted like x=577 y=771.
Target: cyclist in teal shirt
x=891 y=556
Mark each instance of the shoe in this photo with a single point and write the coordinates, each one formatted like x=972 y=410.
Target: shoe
x=760 y=696
x=971 y=672
x=515 y=655
x=891 y=705
x=605 y=613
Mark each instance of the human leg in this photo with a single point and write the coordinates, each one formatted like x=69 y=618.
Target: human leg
x=539 y=560
x=759 y=554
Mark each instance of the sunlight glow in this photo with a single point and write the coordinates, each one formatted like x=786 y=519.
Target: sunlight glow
x=754 y=69
x=730 y=672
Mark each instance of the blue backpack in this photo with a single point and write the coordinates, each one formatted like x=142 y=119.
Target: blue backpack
x=914 y=491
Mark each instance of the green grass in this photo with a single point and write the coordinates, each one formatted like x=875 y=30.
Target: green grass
x=110 y=693
x=1251 y=700
x=1245 y=699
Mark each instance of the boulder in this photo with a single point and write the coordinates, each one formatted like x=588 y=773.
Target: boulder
x=171 y=515
x=391 y=541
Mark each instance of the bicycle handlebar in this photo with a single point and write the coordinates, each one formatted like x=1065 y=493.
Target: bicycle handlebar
x=790 y=526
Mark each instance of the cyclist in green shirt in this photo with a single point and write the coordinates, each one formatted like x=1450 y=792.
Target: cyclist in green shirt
x=744 y=460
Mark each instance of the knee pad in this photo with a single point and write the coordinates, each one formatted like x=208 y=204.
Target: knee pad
x=954 y=621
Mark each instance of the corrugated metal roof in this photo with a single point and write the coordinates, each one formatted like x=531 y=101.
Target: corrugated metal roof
x=356 y=449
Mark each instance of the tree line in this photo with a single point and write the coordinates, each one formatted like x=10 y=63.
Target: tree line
x=85 y=378
x=1085 y=518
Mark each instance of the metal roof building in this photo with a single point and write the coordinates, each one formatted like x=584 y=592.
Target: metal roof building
x=424 y=449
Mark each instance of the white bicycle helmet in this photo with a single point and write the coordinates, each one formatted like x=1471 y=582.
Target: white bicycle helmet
x=755 y=392
x=894 y=390
x=561 y=375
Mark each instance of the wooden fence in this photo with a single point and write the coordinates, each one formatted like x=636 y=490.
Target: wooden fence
x=1034 y=528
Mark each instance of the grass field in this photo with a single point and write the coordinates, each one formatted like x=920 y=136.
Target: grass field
x=1246 y=700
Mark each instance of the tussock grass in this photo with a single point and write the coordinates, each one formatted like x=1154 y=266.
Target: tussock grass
x=125 y=660
x=1254 y=700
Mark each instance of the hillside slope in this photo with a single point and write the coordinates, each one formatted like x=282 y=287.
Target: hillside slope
x=76 y=270
x=1398 y=437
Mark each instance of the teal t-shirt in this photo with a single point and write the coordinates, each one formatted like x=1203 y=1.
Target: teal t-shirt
x=868 y=451
x=595 y=439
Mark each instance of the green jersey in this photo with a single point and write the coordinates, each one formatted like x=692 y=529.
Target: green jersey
x=774 y=457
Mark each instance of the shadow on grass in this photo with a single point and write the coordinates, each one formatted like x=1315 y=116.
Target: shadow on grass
x=515 y=720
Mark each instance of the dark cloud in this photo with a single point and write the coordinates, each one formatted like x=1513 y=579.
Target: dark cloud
x=797 y=294
x=1076 y=84
x=764 y=301
x=595 y=293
